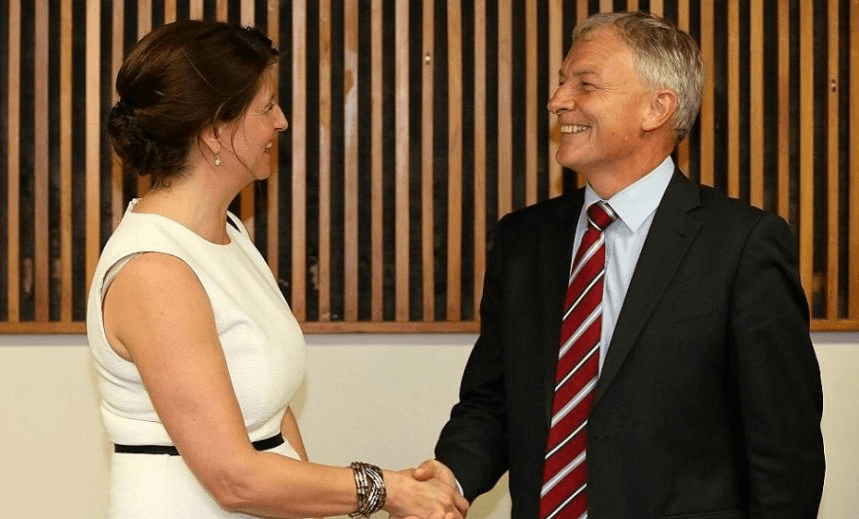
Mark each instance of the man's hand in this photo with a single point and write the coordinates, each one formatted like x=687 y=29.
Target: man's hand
x=435 y=469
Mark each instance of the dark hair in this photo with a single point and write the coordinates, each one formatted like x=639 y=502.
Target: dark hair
x=178 y=80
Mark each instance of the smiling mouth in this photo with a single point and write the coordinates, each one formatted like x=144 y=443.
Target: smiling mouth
x=574 y=128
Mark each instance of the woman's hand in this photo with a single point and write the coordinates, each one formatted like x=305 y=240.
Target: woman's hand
x=410 y=498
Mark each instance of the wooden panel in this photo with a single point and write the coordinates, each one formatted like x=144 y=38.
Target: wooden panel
x=13 y=164
x=733 y=96
x=377 y=212
x=756 y=103
x=480 y=152
x=706 y=118
x=454 y=161
x=505 y=120
x=515 y=72
x=93 y=141
x=323 y=272
x=806 y=147
x=427 y=162
x=555 y=58
x=401 y=158
x=66 y=162
x=298 y=299
x=832 y=165
x=40 y=166
x=530 y=102
x=783 y=160
x=350 y=169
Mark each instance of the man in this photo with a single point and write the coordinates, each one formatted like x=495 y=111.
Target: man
x=674 y=376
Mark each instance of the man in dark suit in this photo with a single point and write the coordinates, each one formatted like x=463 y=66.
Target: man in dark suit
x=705 y=399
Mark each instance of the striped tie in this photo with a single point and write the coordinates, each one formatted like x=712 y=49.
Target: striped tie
x=564 y=492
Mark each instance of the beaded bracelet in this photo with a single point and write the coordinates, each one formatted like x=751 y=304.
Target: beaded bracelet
x=370 y=487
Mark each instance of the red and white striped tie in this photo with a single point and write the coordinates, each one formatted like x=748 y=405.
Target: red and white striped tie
x=564 y=492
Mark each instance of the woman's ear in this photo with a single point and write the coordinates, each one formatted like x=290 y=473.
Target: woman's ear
x=210 y=137
x=663 y=104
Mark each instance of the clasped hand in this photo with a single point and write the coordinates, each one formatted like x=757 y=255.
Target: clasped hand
x=429 y=491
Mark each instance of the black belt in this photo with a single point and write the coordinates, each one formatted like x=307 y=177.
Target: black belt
x=260 y=445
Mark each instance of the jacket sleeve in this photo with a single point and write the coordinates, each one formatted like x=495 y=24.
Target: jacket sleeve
x=473 y=443
x=777 y=377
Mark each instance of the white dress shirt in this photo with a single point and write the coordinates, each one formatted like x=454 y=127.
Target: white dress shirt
x=635 y=206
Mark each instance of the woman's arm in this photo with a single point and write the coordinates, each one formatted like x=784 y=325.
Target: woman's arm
x=157 y=312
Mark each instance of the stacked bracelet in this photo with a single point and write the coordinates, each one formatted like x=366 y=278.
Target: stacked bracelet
x=370 y=486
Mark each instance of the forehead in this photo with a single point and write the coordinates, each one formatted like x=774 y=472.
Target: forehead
x=599 y=49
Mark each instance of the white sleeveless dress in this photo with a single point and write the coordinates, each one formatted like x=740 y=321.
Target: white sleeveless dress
x=263 y=346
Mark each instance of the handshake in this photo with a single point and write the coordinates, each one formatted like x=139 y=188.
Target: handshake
x=428 y=491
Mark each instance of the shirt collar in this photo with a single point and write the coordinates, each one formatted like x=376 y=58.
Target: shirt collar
x=636 y=202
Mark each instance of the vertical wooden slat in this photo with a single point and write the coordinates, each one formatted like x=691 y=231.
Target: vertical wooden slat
x=93 y=144
x=683 y=25
x=707 y=117
x=13 y=167
x=272 y=209
x=853 y=260
x=325 y=99
x=65 y=161
x=756 y=104
x=116 y=57
x=377 y=210
x=454 y=160
x=401 y=159
x=733 y=96
x=832 y=165
x=632 y=5
x=144 y=25
x=783 y=158
x=531 y=102
x=169 y=11
x=479 y=151
x=196 y=10
x=299 y=159
x=427 y=162
x=247 y=206
x=222 y=10
x=606 y=6
x=581 y=10
x=656 y=7
x=505 y=122
x=806 y=147
x=41 y=237
x=556 y=57
x=350 y=172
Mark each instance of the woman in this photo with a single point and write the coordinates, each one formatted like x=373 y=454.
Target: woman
x=196 y=350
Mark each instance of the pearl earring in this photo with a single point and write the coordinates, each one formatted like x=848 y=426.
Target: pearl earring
x=218 y=160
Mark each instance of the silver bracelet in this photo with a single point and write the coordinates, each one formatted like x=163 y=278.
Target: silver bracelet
x=370 y=487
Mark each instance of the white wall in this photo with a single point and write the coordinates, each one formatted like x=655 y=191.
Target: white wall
x=378 y=398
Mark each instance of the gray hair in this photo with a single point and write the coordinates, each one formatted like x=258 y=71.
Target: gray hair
x=664 y=56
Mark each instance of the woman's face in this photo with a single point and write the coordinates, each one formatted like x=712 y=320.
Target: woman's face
x=257 y=130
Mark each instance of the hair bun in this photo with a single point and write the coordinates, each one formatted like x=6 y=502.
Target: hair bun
x=139 y=150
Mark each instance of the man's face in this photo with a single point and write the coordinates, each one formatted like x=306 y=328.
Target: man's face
x=601 y=104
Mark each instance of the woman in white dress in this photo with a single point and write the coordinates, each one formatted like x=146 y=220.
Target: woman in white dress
x=196 y=350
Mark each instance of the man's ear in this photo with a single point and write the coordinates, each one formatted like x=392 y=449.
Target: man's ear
x=663 y=104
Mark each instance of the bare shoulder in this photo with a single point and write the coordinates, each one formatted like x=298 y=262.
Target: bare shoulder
x=153 y=294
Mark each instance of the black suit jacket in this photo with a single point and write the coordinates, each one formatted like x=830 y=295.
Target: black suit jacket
x=709 y=400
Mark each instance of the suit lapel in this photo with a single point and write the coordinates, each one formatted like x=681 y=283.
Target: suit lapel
x=553 y=268
x=667 y=241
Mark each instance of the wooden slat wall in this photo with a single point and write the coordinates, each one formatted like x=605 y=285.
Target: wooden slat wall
x=395 y=239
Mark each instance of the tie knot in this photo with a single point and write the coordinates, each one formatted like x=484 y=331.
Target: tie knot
x=601 y=215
